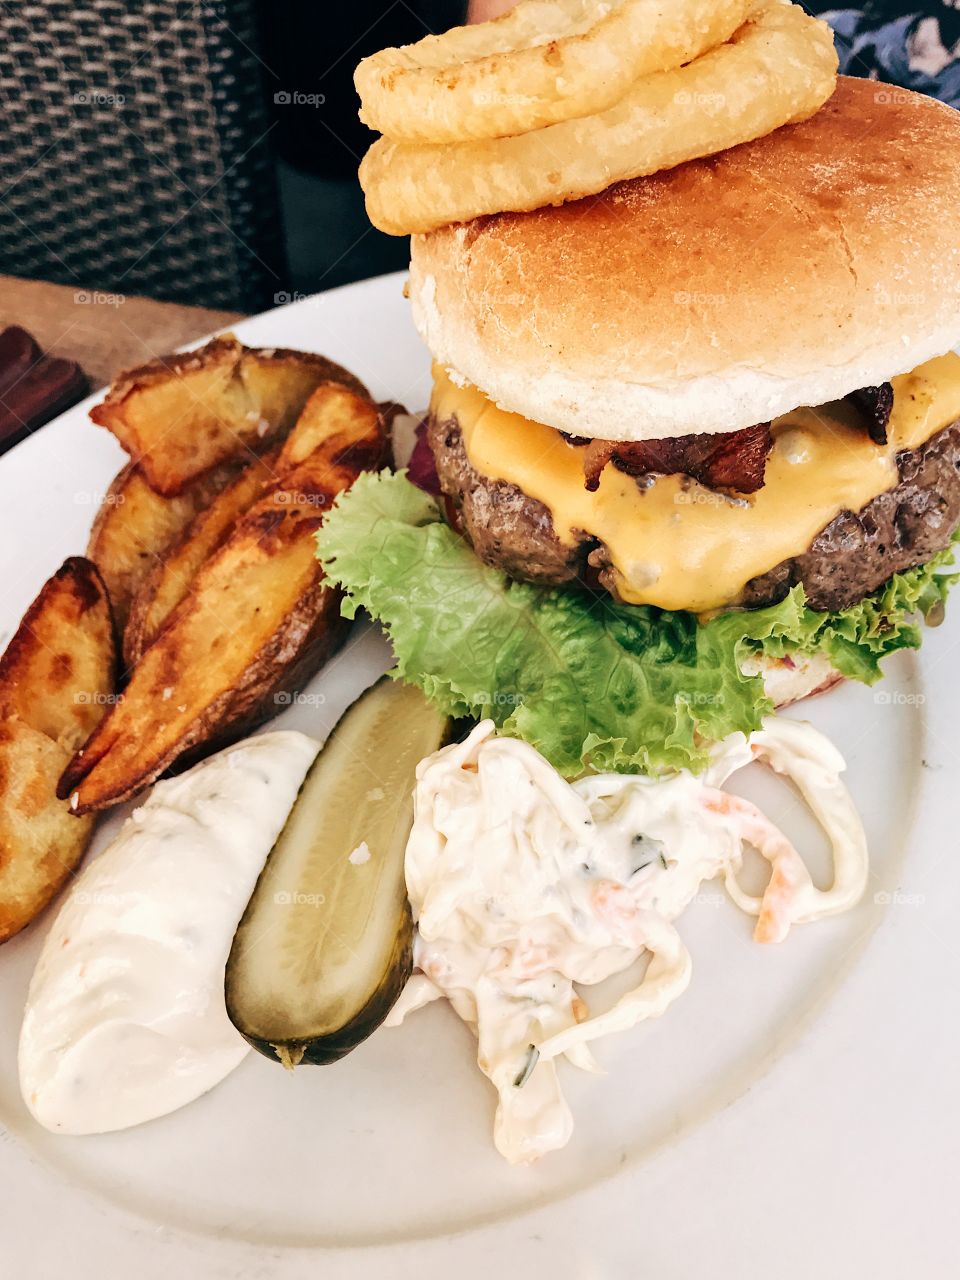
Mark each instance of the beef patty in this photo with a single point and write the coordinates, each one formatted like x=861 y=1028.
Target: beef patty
x=850 y=558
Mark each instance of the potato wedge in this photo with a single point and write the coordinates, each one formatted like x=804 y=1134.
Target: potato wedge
x=169 y=580
x=57 y=677
x=135 y=526
x=41 y=842
x=182 y=415
x=60 y=665
x=256 y=624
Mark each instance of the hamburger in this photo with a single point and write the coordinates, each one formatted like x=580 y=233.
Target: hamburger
x=712 y=413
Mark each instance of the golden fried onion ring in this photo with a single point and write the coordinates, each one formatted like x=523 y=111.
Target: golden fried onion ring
x=780 y=66
x=542 y=62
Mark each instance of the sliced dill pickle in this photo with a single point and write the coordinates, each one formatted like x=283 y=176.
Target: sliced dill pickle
x=324 y=947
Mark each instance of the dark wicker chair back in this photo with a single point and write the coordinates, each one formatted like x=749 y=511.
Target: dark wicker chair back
x=135 y=151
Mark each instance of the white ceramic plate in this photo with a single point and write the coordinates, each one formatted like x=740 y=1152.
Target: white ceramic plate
x=795 y=1114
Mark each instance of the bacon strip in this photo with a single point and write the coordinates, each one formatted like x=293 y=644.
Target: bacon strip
x=876 y=405
x=733 y=460
x=595 y=457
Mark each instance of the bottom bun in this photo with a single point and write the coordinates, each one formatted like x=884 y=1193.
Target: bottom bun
x=789 y=679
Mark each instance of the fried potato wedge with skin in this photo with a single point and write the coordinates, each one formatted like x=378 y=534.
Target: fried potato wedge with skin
x=56 y=678
x=184 y=414
x=41 y=842
x=60 y=665
x=257 y=623
x=135 y=525
x=170 y=578
x=169 y=582
x=257 y=609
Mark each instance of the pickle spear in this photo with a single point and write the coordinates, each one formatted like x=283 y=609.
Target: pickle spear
x=324 y=947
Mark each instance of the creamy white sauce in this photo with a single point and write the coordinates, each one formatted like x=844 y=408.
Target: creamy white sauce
x=523 y=885
x=125 y=1017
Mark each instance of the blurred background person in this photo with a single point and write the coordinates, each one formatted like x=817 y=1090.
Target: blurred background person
x=914 y=45
x=484 y=10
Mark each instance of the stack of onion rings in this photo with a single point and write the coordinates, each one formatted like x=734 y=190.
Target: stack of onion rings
x=542 y=62
x=517 y=125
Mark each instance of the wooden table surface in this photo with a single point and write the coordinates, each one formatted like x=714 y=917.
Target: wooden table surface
x=104 y=332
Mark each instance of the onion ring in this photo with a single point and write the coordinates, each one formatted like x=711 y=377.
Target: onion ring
x=542 y=62
x=779 y=67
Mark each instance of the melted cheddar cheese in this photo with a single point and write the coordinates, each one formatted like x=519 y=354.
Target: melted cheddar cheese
x=679 y=545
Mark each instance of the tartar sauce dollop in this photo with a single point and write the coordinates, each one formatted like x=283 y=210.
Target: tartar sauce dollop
x=126 y=1018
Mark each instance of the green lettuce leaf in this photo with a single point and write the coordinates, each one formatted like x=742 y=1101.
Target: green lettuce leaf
x=589 y=682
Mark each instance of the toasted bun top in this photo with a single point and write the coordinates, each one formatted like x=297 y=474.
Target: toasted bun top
x=788 y=271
